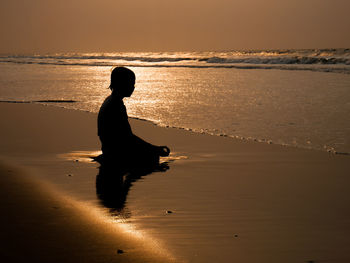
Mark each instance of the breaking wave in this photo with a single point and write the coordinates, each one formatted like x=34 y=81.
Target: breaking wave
x=323 y=60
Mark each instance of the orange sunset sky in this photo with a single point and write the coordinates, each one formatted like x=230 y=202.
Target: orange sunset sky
x=42 y=26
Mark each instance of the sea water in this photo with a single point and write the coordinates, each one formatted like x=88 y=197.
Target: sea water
x=292 y=97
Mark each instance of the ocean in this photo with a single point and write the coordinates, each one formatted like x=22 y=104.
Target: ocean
x=299 y=98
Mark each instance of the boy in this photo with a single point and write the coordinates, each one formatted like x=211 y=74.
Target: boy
x=118 y=142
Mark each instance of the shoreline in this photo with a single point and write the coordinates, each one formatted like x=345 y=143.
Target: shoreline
x=228 y=198
x=48 y=103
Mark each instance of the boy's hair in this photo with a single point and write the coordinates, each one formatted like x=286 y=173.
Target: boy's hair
x=121 y=75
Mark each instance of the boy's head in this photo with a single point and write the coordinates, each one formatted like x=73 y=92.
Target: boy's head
x=122 y=81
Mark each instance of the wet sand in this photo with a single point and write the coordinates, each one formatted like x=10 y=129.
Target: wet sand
x=231 y=200
x=40 y=225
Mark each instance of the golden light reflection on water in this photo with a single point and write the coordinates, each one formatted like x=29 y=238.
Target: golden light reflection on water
x=121 y=230
x=173 y=157
x=118 y=220
x=87 y=156
x=80 y=156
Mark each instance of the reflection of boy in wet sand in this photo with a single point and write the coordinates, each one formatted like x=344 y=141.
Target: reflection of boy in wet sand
x=118 y=142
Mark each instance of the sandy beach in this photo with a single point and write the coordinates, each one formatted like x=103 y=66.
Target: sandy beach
x=39 y=223
x=230 y=200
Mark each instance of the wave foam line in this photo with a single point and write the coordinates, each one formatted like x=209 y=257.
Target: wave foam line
x=38 y=101
x=342 y=70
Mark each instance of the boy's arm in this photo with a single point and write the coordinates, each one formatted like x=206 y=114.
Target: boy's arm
x=160 y=150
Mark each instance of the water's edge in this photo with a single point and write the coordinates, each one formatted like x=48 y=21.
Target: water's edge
x=266 y=141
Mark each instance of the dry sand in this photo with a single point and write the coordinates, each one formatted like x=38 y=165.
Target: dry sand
x=288 y=204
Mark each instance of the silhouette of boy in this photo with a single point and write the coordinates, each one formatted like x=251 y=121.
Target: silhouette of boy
x=118 y=142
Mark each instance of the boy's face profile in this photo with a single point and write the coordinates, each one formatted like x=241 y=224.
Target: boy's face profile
x=128 y=87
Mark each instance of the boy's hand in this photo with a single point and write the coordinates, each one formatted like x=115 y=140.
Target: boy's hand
x=163 y=151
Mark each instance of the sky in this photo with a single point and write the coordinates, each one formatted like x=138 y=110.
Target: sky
x=47 y=26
